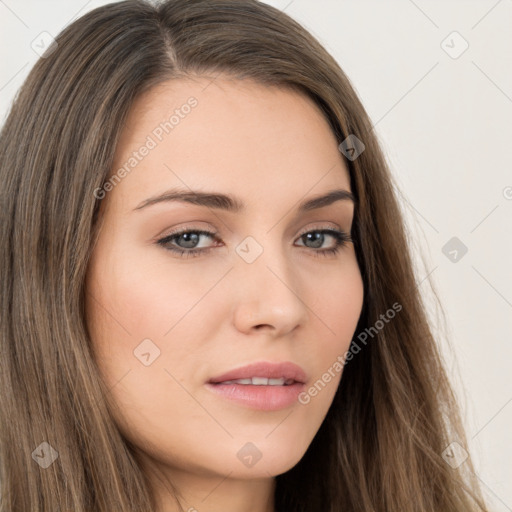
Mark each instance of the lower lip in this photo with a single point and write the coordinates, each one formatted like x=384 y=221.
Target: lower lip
x=264 y=398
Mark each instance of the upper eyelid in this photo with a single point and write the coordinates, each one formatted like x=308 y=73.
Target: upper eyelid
x=214 y=234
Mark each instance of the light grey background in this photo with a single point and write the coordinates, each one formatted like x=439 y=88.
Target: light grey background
x=445 y=123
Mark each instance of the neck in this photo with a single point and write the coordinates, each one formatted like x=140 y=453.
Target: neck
x=215 y=493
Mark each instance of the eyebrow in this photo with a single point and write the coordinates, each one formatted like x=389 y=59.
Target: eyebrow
x=232 y=204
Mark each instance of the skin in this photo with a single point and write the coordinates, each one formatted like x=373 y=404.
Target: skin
x=271 y=148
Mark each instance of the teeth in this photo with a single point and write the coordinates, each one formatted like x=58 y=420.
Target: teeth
x=260 y=381
x=239 y=381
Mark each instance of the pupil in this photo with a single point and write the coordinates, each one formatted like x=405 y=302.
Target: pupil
x=192 y=239
x=317 y=238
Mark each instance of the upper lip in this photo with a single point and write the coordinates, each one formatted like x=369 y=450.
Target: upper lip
x=286 y=370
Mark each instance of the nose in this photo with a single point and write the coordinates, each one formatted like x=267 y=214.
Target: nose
x=268 y=295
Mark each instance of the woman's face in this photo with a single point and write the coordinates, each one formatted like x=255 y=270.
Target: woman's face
x=163 y=324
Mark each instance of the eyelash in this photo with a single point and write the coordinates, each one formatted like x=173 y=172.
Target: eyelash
x=341 y=237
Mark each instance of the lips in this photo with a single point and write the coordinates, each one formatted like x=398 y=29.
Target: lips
x=261 y=371
x=262 y=386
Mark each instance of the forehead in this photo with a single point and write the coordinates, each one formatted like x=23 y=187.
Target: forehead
x=227 y=134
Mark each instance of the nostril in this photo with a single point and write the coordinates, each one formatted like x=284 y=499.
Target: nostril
x=260 y=326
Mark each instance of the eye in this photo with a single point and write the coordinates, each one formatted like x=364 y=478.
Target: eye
x=189 y=238
x=317 y=238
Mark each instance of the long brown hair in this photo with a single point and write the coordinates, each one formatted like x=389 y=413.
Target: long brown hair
x=380 y=447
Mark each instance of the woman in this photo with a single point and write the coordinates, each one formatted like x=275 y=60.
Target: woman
x=209 y=301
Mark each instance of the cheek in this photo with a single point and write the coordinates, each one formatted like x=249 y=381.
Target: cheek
x=337 y=307
x=336 y=313
x=132 y=299
x=145 y=370
x=148 y=325
x=157 y=294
